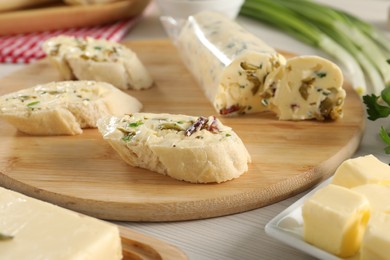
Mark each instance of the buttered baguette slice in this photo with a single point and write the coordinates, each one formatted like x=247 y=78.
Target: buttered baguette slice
x=306 y=87
x=188 y=148
x=97 y=59
x=64 y=108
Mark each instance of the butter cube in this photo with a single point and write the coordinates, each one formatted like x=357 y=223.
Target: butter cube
x=39 y=230
x=376 y=241
x=361 y=170
x=378 y=195
x=334 y=219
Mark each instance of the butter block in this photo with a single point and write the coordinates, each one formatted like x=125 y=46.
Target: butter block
x=334 y=219
x=361 y=170
x=378 y=195
x=376 y=241
x=40 y=230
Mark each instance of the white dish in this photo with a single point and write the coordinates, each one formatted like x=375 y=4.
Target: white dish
x=181 y=9
x=287 y=227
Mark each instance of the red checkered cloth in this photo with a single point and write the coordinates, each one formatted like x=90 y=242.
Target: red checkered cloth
x=26 y=47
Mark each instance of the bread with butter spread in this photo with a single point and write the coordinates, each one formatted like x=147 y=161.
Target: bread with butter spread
x=188 y=148
x=64 y=108
x=97 y=59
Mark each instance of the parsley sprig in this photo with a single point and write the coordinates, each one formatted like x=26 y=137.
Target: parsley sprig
x=386 y=138
x=379 y=107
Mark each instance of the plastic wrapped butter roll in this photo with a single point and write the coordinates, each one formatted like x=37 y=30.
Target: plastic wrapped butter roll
x=229 y=63
x=306 y=87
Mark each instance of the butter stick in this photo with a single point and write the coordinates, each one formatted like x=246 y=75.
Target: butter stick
x=361 y=170
x=376 y=241
x=335 y=219
x=35 y=229
x=378 y=195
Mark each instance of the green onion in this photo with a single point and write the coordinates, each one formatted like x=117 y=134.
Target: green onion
x=358 y=46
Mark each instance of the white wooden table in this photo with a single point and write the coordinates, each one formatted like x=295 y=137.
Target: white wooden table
x=242 y=236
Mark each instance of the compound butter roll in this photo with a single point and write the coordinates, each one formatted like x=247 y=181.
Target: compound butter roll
x=306 y=87
x=229 y=63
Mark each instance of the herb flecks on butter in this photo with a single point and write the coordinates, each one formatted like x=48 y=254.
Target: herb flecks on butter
x=130 y=126
x=128 y=136
x=50 y=95
x=5 y=237
x=33 y=103
x=305 y=86
x=320 y=74
x=171 y=126
x=87 y=49
x=136 y=124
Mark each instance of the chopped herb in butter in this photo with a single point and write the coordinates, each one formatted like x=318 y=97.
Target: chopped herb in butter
x=4 y=237
x=127 y=137
x=321 y=74
x=135 y=124
x=171 y=126
x=33 y=103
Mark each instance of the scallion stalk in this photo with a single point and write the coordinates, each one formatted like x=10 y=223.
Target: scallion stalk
x=355 y=44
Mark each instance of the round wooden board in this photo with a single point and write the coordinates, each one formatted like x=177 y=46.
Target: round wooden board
x=139 y=246
x=83 y=173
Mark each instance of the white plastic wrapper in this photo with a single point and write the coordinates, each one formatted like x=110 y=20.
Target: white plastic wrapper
x=229 y=63
x=241 y=74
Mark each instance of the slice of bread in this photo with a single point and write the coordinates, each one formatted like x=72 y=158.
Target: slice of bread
x=64 y=108
x=188 y=148
x=100 y=60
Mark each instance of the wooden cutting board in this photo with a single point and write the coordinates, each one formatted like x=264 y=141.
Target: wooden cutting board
x=139 y=246
x=84 y=173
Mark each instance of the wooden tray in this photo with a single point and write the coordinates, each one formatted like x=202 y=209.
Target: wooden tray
x=83 y=172
x=138 y=246
x=62 y=16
